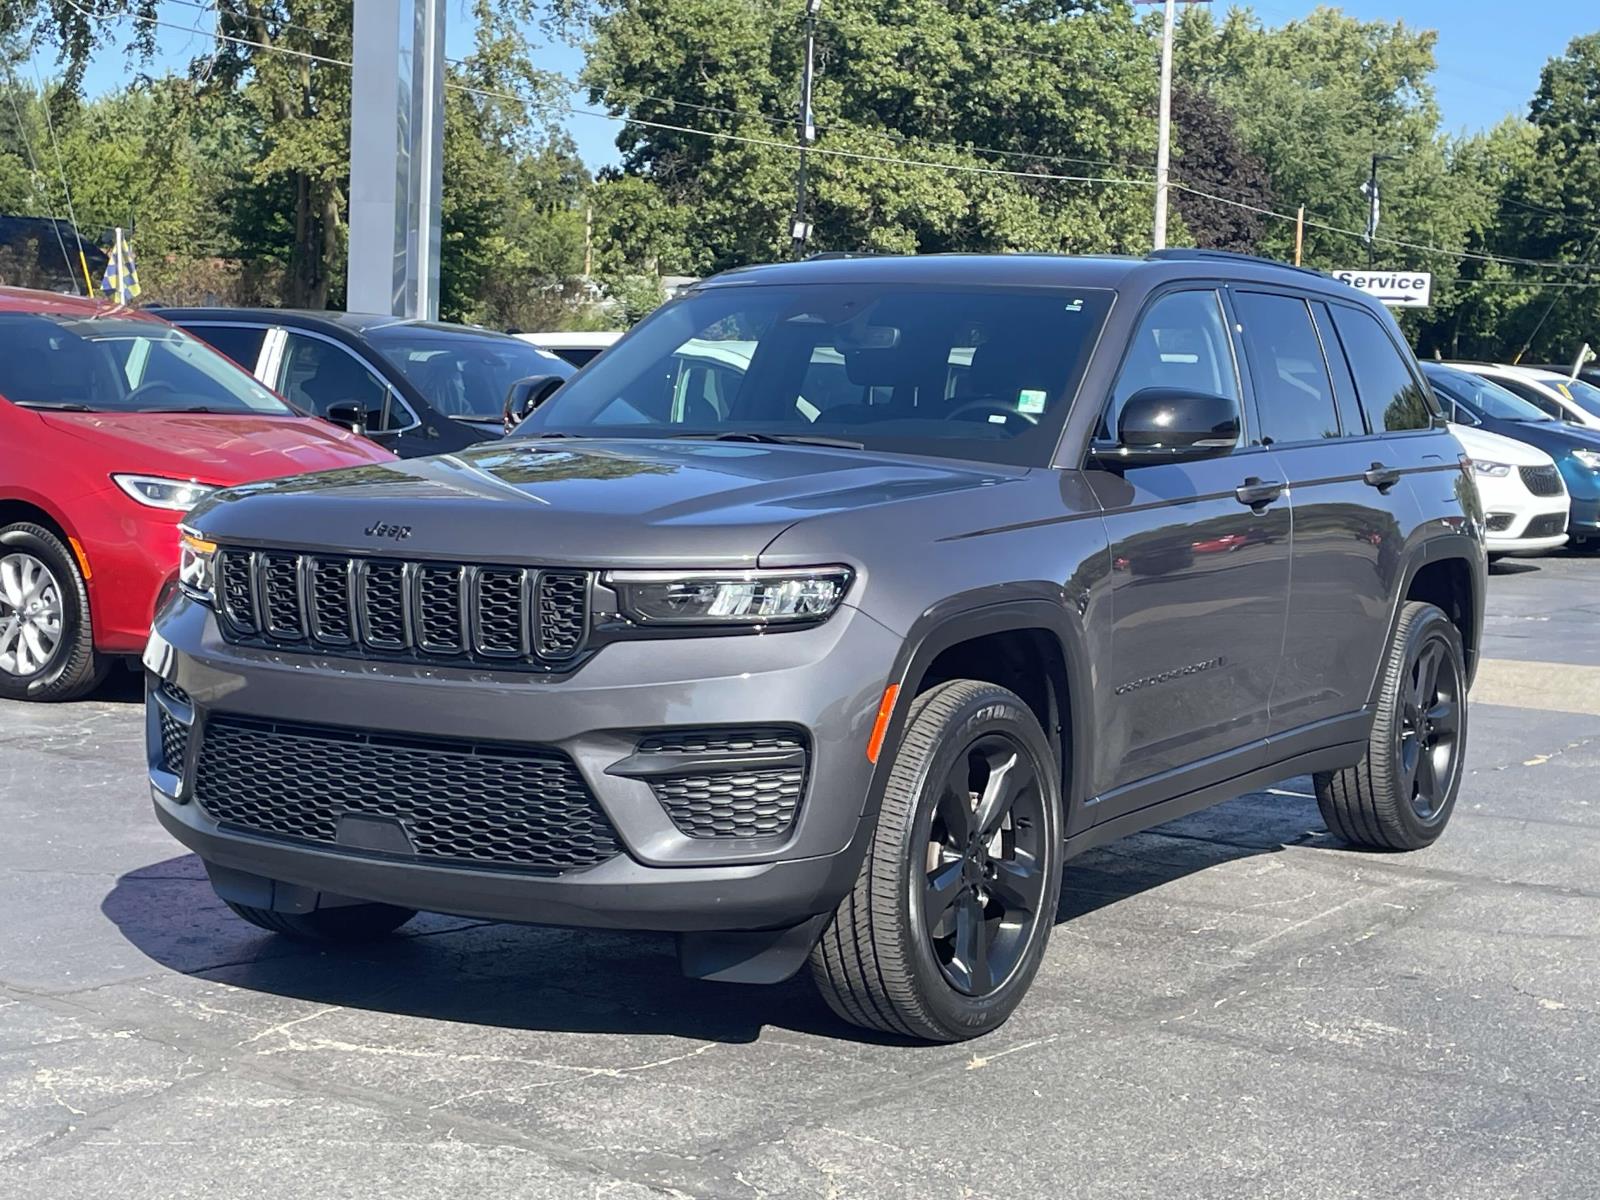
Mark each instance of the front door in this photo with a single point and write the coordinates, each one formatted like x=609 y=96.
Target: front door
x=1199 y=577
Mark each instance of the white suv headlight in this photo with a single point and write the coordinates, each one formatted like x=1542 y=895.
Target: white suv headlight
x=1497 y=470
x=730 y=598
x=155 y=491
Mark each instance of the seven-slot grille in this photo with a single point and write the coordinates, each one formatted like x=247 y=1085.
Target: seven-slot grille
x=462 y=802
x=382 y=606
x=1541 y=481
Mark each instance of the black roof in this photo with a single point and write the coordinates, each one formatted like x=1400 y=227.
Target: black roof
x=313 y=318
x=1105 y=271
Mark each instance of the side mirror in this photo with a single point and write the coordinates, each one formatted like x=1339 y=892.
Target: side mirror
x=525 y=395
x=350 y=414
x=1161 y=424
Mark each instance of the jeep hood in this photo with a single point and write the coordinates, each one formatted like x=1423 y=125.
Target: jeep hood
x=581 y=503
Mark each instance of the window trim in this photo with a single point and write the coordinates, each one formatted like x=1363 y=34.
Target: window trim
x=282 y=360
x=1218 y=290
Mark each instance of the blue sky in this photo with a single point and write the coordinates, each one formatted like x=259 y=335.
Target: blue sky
x=1489 y=52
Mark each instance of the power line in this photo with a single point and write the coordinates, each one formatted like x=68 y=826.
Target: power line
x=959 y=168
x=61 y=166
x=33 y=169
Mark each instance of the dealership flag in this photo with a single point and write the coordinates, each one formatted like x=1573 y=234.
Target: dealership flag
x=122 y=273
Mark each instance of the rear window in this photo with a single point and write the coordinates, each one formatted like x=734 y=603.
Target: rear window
x=1393 y=399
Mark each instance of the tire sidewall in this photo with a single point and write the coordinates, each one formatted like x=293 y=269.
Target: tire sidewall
x=1431 y=625
x=70 y=653
x=993 y=711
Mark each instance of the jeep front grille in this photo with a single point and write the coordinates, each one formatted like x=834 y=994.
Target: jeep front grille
x=384 y=607
x=462 y=802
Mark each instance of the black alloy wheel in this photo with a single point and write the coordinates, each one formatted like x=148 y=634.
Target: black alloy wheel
x=1430 y=723
x=985 y=874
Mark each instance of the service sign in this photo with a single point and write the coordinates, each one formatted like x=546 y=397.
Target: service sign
x=1401 y=289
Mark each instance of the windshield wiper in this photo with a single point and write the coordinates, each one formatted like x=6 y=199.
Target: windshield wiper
x=54 y=405
x=197 y=408
x=786 y=439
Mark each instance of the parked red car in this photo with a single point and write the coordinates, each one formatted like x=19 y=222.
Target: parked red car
x=113 y=423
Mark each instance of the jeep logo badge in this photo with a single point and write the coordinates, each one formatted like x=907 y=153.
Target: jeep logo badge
x=384 y=529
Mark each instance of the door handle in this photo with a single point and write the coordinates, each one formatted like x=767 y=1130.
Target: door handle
x=1381 y=477
x=1258 y=493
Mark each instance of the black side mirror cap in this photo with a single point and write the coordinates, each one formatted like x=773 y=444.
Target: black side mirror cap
x=525 y=395
x=1159 y=424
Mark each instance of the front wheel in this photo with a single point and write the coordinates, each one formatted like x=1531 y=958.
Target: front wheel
x=948 y=920
x=46 y=640
x=1400 y=795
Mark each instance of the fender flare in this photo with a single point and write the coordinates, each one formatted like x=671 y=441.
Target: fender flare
x=978 y=614
x=1441 y=547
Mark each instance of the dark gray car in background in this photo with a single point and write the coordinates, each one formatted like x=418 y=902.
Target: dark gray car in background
x=829 y=613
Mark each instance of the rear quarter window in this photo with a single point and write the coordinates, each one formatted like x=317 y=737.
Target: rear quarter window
x=1385 y=384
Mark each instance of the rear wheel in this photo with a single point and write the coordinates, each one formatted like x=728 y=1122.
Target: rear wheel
x=948 y=920
x=347 y=924
x=46 y=640
x=1400 y=795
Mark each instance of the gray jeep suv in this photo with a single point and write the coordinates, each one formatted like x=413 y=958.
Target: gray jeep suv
x=830 y=613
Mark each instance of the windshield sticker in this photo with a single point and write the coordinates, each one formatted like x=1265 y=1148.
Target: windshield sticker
x=1030 y=401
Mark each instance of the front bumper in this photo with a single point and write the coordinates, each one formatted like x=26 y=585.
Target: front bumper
x=827 y=681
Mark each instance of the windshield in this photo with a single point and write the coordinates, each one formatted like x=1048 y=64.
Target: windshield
x=1482 y=397
x=463 y=375
x=968 y=373
x=1585 y=395
x=120 y=364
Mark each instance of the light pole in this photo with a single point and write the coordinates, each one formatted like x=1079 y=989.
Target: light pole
x=1164 y=127
x=800 y=227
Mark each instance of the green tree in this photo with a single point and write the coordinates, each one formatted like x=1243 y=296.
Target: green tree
x=1057 y=88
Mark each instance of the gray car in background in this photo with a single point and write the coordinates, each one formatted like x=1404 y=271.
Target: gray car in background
x=835 y=646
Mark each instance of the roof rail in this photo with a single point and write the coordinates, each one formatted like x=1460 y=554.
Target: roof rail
x=1193 y=254
x=821 y=255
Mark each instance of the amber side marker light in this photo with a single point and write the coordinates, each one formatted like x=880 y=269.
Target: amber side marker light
x=881 y=725
x=83 y=559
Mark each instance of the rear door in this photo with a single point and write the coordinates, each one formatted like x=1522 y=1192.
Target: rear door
x=1199 y=577
x=1346 y=541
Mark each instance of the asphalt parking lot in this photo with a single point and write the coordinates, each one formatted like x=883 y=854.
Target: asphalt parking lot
x=1234 y=1005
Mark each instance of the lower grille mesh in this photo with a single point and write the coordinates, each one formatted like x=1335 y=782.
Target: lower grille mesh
x=742 y=800
x=1546 y=525
x=462 y=802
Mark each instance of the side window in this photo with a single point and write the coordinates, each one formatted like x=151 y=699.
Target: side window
x=1182 y=342
x=319 y=374
x=1344 y=383
x=1532 y=395
x=242 y=343
x=1390 y=394
x=1293 y=391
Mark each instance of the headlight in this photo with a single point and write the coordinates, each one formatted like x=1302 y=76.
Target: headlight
x=1589 y=458
x=730 y=597
x=1497 y=470
x=180 y=495
x=195 y=565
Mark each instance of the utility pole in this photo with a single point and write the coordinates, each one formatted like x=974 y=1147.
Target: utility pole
x=800 y=227
x=1369 y=189
x=1164 y=126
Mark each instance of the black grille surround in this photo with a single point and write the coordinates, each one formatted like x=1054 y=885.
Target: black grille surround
x=1546 y=525
x=174 y=733
x=528 y=618
x=459 y=802
x=1541 y=481
x=739 y=782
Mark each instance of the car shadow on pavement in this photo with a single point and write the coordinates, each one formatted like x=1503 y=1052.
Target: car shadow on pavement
x=596 y=981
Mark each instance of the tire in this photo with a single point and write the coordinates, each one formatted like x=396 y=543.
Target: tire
x=346 y=925
x=1400 y=795
x=878 y=963
x=38 y=570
